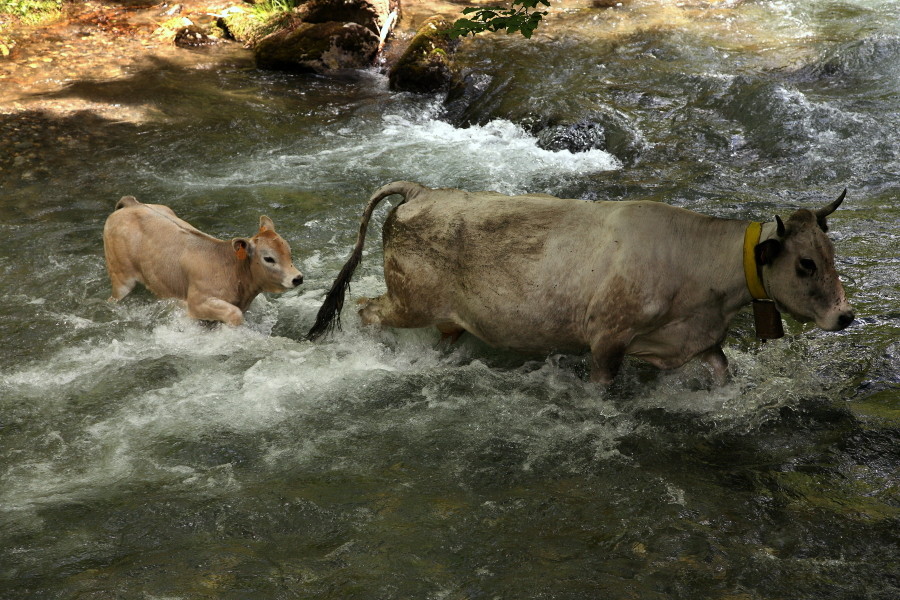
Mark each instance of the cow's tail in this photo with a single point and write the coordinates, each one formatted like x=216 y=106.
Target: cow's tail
x=126 y=201
x=329 y=314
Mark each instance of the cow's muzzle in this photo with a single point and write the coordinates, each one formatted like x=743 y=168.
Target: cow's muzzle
x=840 y=321
x=844 y=319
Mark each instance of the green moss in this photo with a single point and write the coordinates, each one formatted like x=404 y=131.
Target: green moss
x=252 y=26
x=864 y=496
x=31 y=12
x=883 y=406
x=425 y=64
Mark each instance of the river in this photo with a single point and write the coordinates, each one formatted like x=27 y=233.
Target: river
x=143 y=455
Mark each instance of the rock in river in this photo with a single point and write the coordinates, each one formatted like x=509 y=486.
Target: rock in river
x=318 y=47
x=425 y=64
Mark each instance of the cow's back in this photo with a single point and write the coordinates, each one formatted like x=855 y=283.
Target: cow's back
x=510 y=270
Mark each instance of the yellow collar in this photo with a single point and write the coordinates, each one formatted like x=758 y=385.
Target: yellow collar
x=751 y=269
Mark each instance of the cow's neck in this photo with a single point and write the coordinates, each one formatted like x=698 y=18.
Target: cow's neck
x=754 y=234
x=246 y=289
x=768 y=231
x=726 y=263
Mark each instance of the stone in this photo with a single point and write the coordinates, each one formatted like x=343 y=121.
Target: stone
x=608 y=130
x=372 y=14
x=193 y=37
x=424 y=67
x=318 y=48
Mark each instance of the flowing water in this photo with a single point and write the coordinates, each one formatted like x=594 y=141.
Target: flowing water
x=143 y=455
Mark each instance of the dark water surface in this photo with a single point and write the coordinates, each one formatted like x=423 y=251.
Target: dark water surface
x=143 y=455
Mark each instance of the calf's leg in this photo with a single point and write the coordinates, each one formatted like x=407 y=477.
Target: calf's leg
x=214 y=309
x=123 y=275
x=121 y=286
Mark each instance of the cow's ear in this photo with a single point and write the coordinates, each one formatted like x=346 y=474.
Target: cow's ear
x=766 y=252
x=242 y=248
x=265 y=223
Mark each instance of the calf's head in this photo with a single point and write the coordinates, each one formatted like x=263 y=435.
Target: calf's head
x=269 y=259
x=798 y=270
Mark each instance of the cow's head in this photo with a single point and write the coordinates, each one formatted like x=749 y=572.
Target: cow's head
x=798 y=269
x=269 y=259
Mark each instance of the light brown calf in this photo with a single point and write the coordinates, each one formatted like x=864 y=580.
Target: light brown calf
x=217 y=279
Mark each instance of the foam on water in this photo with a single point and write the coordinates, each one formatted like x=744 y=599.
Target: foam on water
x=297 y=404
x=411 y=143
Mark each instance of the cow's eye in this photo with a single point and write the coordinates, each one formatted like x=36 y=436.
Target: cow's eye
x=269 y=260
x=808 y=264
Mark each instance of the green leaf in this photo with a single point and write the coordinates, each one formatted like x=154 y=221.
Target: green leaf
x=521 y=18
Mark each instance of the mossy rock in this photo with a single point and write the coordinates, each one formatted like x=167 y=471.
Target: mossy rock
x=248 y=29
x=318 y=48
x=372 y=14
x=425 y=65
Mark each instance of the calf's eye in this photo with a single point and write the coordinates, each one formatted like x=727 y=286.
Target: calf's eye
x=269 y=260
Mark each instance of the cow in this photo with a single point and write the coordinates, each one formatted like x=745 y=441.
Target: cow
x=537 y=273
x=217 y=279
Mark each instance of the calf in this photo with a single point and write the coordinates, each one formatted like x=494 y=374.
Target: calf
x=217 y=279
x=541 y=274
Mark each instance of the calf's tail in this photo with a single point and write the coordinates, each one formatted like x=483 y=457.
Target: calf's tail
x=329 y=314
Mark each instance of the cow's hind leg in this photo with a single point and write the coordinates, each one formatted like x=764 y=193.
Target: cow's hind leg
x=450 y=332
x=385 y=311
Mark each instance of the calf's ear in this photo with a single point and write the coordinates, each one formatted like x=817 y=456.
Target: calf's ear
x=766 y=252
x=243 y=248
x=266 y=223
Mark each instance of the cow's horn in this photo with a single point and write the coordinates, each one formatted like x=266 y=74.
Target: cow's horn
x=824 y=212
x=781 y=230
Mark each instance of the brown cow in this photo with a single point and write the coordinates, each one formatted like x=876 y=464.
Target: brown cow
x=217 y=279
x=541 y=274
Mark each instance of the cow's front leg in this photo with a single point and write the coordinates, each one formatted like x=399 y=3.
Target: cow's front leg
x=606 y=360
x=714 y=358
x=214 y=309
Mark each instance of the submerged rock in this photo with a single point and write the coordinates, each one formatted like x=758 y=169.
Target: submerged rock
x=610 y=131
x=873 y=58
x=425 y=64
x=193 y=37
x=318 y=48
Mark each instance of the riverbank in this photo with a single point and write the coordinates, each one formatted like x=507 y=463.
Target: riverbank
x=95 y=41
x=91 y=41
x=63 y=82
